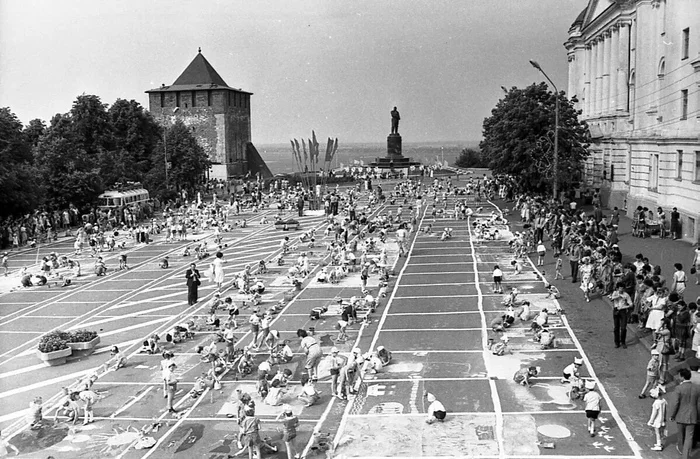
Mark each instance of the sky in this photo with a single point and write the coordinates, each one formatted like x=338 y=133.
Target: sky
x=335 y=66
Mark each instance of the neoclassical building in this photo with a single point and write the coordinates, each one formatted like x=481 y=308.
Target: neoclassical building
x=634 y=66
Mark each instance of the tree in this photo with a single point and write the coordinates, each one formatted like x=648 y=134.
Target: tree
x=519 y=138
x=134 y=138
x=471 y=158
x=34 y=130
x=187 y=159
x=20 y=192
x=68 y=170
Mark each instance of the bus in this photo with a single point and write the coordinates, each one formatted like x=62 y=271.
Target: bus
x=115 y=199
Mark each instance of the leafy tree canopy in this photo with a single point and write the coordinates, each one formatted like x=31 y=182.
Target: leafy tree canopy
x=470 y=157
x=519 y=138
x=19 y=191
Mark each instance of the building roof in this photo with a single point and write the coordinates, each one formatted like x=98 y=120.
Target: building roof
x=581 y=16
x=200 y=74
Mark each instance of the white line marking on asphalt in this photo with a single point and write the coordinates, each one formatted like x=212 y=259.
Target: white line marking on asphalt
x=131 y=403
x=343 y=420
x=484 y=350
x=126 y=316
x=615 y=414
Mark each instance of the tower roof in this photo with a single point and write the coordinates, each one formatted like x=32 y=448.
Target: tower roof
x=200 y=74
x=200 y=71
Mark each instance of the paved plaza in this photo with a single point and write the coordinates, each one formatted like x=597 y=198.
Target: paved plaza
x=435 y=320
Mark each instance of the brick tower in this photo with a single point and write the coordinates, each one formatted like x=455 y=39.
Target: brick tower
x=218 y=114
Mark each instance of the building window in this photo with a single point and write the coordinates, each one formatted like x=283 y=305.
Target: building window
x=679 y=164
x=685 y=44
x=194 y=98
x=177 y=99
x=684 y=104
x=612 y=172
x=209 y=98
x=162 y=99
x=697 y=166
x=654 y=173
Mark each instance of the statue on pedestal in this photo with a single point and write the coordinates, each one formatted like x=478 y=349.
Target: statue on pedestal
x=395 y=117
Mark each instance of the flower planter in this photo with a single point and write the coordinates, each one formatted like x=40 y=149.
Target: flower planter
x=85 y=348
x=54 y=358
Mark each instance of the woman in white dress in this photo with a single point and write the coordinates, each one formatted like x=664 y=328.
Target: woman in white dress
x=217 y=270
x=657 y=305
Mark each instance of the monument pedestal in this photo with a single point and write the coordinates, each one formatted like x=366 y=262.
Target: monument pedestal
x=393 y=146
x=394 y=158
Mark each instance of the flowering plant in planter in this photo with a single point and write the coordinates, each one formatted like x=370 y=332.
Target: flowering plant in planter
x=81 y=336
x=53 y=341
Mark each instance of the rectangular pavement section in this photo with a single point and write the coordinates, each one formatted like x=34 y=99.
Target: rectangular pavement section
x=422 y=364
x=425 y=291
x=435 y=304
x=430 y=340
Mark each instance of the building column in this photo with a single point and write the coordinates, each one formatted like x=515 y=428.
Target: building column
x=605 y=98
x=595 y=68
x=614 y=61
x=623 y=55
x=587 y=82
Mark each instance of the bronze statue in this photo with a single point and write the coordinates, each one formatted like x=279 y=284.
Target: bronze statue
x=395 y=117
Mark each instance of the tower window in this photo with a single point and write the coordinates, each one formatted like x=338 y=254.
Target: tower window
x=685 y=43
x=209 y=98
x=162 y=99
x=194 y=98
x=177 y=99
x=684 y=104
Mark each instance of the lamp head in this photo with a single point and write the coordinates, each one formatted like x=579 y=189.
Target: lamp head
x=535 y=64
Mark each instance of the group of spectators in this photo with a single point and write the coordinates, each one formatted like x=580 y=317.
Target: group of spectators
x=640 y=290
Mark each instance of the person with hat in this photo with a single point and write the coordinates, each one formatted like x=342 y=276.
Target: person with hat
x=571 y=370
x=436 y=410
x=171 y=384
x=657 y=420
x=592 y=405
x=289 y=430
x=336 y=364
x=348 y=372
x=652 y=372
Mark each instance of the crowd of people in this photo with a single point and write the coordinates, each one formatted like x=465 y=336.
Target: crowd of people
x=640 y=291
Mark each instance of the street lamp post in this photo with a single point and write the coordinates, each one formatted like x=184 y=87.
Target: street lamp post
x=555 y=187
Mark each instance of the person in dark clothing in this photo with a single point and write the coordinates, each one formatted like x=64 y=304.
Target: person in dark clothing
x=193 y=282
x=675 y=223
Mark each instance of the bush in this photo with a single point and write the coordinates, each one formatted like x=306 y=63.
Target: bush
x=81 y=336
x=53 y=341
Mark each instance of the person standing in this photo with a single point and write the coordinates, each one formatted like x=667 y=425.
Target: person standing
x=679 y=280
x=217 y=270
x=574 y=257
x=6 y=265
x=675 y=223
x=171 y=384
x=300 y=204
x=193 y=282
x=684 y=410
x=695 y=265
x=621 y=305
x=289 y=430
x=592 y=402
